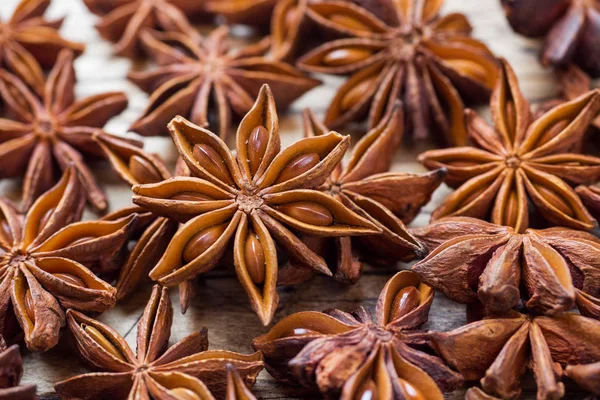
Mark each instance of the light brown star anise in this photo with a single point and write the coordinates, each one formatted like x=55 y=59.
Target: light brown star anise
x=348 y=356
x=185 y=371
x=520 y=162
x=585 y=375
x=29 y=43
x=53 y=131
x=429 y=62
x=259 y=196
x=205 y=81
x=43 y=259
x=122 y=22
x=11 y=371
x=571 y=28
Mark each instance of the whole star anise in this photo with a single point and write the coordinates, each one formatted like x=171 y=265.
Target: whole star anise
x=570 y=26
x=11 y=371
x=520 y=162
x=43 y=259
x=124 y=21
x=187 y=370
x=259 y=196
x=29 y=43
x=205 y=81
x=429 y=62
x=53 y=131
x=348 y=355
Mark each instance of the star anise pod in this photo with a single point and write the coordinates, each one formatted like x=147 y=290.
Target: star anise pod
x=429 y=62
x=570 y=27
x=520 y=162
x=498 y=351
x=43 y=259
x=29 y=43
x=53 y=131
x=11 y=371
x=205 y=81
x=123 y=22
x=259 y=196
x=585 y=375
x=474 y=260
x=348 y=355
x=187 y=370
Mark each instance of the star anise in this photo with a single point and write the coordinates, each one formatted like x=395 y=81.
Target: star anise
x=124 y=21
x=205 y=81
x=43 y=259
x=187 y=370
x=570 y=26
x=29 y=43
x=11 y=371
x=498 y=351
x=585 y=375
x=474 y=260
x=520 y=162
x=429 y=62
x=348 y=356
x=251 y=199
x=54 y=131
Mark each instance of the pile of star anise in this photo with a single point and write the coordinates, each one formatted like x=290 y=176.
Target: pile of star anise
x=515 y=241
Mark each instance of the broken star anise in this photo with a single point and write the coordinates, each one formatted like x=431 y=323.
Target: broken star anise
x=187 y=370
x=205 y=81
x=429 y=62
x=43 y=259
x=11 y=371
x=520 y=162
x=54 y=131
x=251 y=199
x=348 y=356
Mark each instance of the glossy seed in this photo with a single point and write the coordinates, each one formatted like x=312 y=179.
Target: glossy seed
x=201 y=241
x=212 y=162
x=554 y=199
x=552 y=132
x=511 y=119
x=72 y=279
x=257 y=145
x=255 y=258
x=354 y=95
x=45 y=218
x=404 y=302
x=103 y=341
x=308 y=212
x=410 y=391
x=29 y=306
x=184 y=394
x=469 y=68
x=143 y=171
x=348 y=22
x=298 y=332
x=511 y=209
x=367 y=391
x=346 y=56
x=297 y=166
x=190 y=196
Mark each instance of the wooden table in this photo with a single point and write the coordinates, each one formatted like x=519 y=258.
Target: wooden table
x=221 y=304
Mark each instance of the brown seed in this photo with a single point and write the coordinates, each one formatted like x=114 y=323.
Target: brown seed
x=103 y=341
x=72 y=279
x=346 y=56
x=308 y=212
x=470 y=68
x=348 y=22
x=367 y=391
x=184 y=394
x=190 y=196
x=511 y=118
x=257 y=145
x=297 y=166
x=410 y=391
x=201 y=241
x=357 y=92
x=298 y=332
x=404 y=302
x=552 y=132
x=511 y=209
x=255 y=258
x=29 y=306
x=143 y=171
x=211 y=161
x=554 y=199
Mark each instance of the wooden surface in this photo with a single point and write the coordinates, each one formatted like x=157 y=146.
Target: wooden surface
x=221 y=304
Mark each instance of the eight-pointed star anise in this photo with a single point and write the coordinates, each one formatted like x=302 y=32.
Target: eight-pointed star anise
x=29 y=43
x=251 y=199
x=11 y=371
x=520 y=162
x=429 y=62
x=54 y=131
x=350 y=356
x=185 y=371
x=44 y=257
x=205 y=81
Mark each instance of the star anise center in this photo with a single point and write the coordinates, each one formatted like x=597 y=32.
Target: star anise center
x=5 y=33
x=18 y=255
x=513 y=161
x=213 y=66
x=380 y=333
x=247 y=202
x=45 y=127
x=407 y=41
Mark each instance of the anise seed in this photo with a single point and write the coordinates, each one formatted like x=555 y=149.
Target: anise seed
x=470 y=68
x=143 y=171
x=411 y=392
x=404 y=302
x=201 y=241
x=298 y=332
x=554 y=199
x=348 y=22
x=190 y=196
x=184 y=394
x=297 y=166
x=308 y=212
x=211 y=161
x=511 y=209
x=103 y=341
x=367 y=391
x=72 y=279
x=255 y=258
x=257 y=145
x=357 y=92
x=511 y=118
x=29 y=306
x=346 y=56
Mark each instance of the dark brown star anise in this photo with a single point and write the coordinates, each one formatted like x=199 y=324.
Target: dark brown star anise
x=349 y=356
x=205 y=81
x=11 y=371
x=53 y=131
x=571 y=28
x=185 y=371
x=429 y=62
x=251 y=199
x=43 y=259
x=29 y=43
x=520 y=162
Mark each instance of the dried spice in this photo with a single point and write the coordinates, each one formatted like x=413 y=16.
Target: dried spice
x=187 y=370
x=205 y=81
x=122 y=22
x=570 y=27
x=586 y=375
x=429 y=62
x=53 y=131
x=498 y=351
x=29 y=43
x=348 y=356
x=43 y=259
x=520 y=162
x=11 y=371
x=249 y=200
